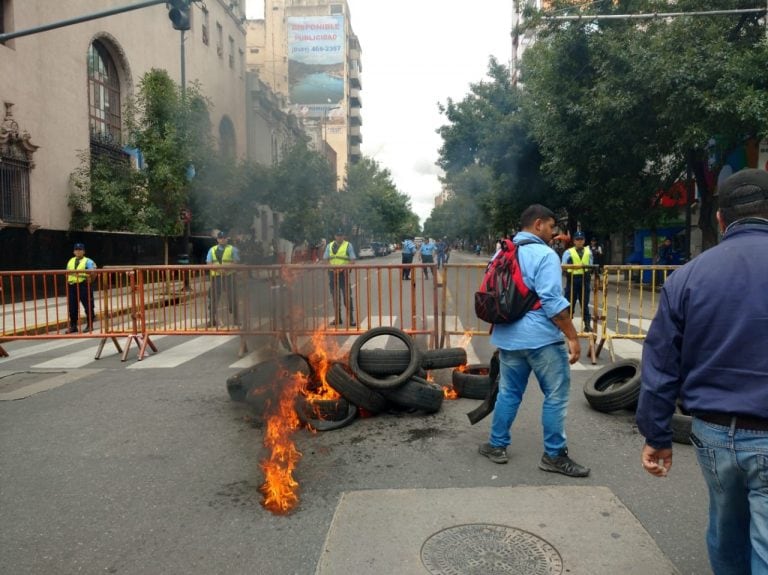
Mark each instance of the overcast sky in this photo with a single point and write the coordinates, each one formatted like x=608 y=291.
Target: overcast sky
x=415 y=54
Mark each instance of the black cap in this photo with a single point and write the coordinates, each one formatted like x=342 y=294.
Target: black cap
x=340 y=232
x=79 y=246
x=744 y=187
x=221 y=234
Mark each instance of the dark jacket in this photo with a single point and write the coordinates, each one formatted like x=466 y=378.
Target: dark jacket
x=708 y=343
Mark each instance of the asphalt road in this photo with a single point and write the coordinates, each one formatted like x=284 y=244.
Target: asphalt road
x=154 y=470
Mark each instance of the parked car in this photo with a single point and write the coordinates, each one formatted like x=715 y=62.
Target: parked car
x=379 y=249
x=366 y=252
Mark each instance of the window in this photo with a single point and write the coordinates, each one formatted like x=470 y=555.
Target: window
x=6 y=20
x=219 y=40
x=241 y=62
x=15 y=164
x=227 y=144
x=337 y=9
x=206 y=27
x=231 y=52
x=104 y=109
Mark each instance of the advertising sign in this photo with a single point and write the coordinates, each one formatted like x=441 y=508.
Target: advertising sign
x=315 y=64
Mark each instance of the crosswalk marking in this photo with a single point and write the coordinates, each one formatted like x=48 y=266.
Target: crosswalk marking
x=83 y=357
x=37 y=348
x=175 y=356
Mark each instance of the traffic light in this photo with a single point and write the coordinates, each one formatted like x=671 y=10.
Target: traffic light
x=179 y=13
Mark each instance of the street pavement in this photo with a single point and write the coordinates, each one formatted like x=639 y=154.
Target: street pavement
x=149 y=468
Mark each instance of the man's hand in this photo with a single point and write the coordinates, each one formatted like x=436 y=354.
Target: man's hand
x=656 y=461
x=574 y=350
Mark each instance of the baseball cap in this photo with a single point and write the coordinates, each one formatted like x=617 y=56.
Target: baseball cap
x=744 y=187
x=578 y=236
x=221 y=234
x=339 y=232
x=79 y=246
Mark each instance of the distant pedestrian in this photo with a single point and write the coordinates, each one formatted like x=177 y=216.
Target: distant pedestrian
x=407 y=253
x=442 y=252
x=222 y=280
x=577 y=285
x=706 y=348
x=341 y=253
x=80 y=289
x=535 y=343
x=427 y=254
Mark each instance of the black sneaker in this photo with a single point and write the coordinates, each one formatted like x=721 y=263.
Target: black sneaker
x=561 y=463
x=353 y=323
x=72 y=330
x=495 y=454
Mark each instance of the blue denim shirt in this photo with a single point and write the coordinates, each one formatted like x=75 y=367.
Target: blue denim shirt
x=541 y=272
x=708 y=343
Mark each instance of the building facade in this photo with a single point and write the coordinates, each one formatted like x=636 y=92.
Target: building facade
x=307 y=52
x=64 y=90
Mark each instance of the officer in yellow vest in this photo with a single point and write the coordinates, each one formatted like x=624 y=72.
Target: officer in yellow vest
x=577 y=279
x=341 y=253
x=222 y=254
x=80 y=288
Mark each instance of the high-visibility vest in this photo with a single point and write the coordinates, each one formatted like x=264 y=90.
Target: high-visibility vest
x=226 y=259
x=73 y=264
x=340 y=257
x=584 y=260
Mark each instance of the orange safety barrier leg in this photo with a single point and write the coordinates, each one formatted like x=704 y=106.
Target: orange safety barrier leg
x=145 y=341
x=101 y=346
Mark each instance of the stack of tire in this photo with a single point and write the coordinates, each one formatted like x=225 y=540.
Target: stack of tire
x=378 y=380
x=617 y=386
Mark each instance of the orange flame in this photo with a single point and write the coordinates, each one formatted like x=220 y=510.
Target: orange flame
x=465 y=339
x=450 y=393
x=320 y=360
x=279 y=487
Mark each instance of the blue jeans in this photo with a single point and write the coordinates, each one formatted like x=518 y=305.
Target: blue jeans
x=550 y=364
x=735 y=467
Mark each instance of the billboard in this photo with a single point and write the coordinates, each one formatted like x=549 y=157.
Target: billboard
x=315 y=64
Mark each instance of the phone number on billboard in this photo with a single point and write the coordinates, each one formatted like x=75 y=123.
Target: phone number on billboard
x=326 y=48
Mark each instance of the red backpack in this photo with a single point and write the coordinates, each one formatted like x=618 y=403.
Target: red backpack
x=503 y=296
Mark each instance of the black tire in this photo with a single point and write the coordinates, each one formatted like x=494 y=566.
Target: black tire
x=614 y=387
x=417 y=393
x=324 y=409
x=381 y=362
x=349 y=387
x=472 y=383
x=323 y=425
x=681 y=427
x=390 y=382
x=250 y=383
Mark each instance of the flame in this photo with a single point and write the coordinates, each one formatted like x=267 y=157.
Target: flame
x=465 y=339
x=320 y=360
x=450 y=393
x=279 y=487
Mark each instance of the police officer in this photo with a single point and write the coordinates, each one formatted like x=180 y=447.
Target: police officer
x=427 y=254
x=222 y=254
x=577 y=278
x=80 y=288
x=409 y=248
x=341 y=253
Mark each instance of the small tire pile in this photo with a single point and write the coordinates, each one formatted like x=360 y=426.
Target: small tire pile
x=617 y=386
x=374 y=381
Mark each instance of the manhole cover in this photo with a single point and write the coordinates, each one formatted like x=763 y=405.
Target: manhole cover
x=483 y=549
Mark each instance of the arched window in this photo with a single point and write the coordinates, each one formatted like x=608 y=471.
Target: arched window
x=104 y=110
x=227 y=138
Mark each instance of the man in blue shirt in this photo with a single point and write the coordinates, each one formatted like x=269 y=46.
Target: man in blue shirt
x=706 y=348
x=427 y=254
x=535 y=343
x=409 y=248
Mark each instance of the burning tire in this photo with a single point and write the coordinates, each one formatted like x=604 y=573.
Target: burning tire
x=380 y=362
x=395 y=380
x=349 y=387
x=324 y=409
x=472 y=383
x=248 y=384
x=328 y=424
x=417 y=393
x=616 y=386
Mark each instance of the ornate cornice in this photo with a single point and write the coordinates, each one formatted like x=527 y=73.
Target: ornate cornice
x=15 y=143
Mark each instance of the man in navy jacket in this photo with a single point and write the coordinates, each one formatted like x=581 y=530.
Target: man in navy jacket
x=708 y=346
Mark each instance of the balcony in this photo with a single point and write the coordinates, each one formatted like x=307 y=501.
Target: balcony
x=355 y=118
x=354 y=98
x=354 y=77
x=355 y=137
